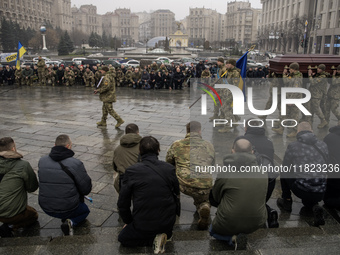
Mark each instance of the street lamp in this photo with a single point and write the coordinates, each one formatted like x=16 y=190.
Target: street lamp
x=84 y=41
x=43 y=33
x=146 y=45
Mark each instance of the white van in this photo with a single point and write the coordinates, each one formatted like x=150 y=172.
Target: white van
x=78 y=60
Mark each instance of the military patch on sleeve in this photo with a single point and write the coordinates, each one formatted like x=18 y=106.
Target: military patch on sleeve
x=106 y=83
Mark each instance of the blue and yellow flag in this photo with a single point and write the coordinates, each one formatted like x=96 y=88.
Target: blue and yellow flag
x=21 y=52
x=241 y=63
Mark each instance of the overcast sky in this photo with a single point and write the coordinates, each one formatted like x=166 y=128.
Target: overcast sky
x=179 y=7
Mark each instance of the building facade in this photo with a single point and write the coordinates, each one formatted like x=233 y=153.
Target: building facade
x=162 y=23
x=29 y=13
x=204 y=25
x=300 y=26
x=86 y=19
x=242 y=23
x=122 y=24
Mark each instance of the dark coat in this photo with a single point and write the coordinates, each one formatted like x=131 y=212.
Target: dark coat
x=154 y=207
x=301 y=154
x=57 y=191
x=178 y=76
x=256 y=136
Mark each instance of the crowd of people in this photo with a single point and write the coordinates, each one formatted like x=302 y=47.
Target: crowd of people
x=153 y=186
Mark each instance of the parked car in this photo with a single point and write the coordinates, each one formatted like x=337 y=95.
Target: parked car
x=66 y=63
x=116 y=58
x=91 y=62
x=44 y=58
x=78 y=60
x=165 y=60
x=108 y=62
x=133 y=63
x=53 y=62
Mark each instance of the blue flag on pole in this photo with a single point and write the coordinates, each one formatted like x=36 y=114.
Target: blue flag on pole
x=241 y=63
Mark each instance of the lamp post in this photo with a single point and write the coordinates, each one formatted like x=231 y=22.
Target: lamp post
x=84 y=46
x=43 y=33
x=146 y=45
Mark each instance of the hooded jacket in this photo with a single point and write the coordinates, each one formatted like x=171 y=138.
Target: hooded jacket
x=256 y=136
x=58 y=193
x=241 y=197
x=126 y=154
x=18 y=178
x=303 y=156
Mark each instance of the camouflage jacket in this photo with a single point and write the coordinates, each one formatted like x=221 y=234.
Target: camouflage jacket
x=112 y=75
x=69 y=75
x=318 y=85
x=98 y=75
x=293 y=80
x=233 y=76
x=205 y=74
x=221 y=71
x=162 y=69
x=334 y=89
x=119 y=75
x=50 y=74
x=275 y=83
x=41 y=64
x=18 y=74
x=88 y=75
x=136 y=76
x=154 y=67
x=189 y=154
x=107 y=90
x=128 y=75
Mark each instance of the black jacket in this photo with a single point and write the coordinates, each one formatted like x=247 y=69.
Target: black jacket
x=154 y=207
x=303 y=155
x=57 y=191
x=333 y=143
x=256 y=136
x=178 y=76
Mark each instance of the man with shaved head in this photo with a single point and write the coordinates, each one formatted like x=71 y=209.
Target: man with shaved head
x=303 y=158
x=236 y=213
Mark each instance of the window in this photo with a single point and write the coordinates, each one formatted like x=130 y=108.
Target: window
x=327 y=44
x=336 y=49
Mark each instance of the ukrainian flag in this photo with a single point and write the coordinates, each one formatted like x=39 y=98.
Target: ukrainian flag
x=241 y=63
x=21 y=52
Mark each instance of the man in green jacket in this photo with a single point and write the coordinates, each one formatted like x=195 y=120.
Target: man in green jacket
x=240 y=197
x=16 y=179
x=126 y=154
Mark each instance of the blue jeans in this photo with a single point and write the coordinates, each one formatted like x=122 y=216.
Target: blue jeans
x=220 y=237
x=76 y=216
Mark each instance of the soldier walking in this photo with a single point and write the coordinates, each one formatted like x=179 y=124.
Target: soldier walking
x=333 y=96
x=318 y=89
x=107 y=91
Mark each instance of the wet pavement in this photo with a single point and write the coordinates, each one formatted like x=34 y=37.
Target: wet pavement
x=35 y=116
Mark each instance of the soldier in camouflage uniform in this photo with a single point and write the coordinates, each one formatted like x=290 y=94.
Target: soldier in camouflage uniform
x=186 y=155
x=69 y=77
x=137 y=78
x=107 y=91
x=274 y=83
x=18 y=75
x=27 y=76
x=206 y=73
x=293 y=80
x=128 y=77
x=88 y=78
x=162 y=69
x=154 y=67
x=50 y=76
x=112 y=73
x=119 y=78
x=221 y=69
x=41 y=71
x=97 y=74
x=333 y=96
x=318 y=90
x=233 y=77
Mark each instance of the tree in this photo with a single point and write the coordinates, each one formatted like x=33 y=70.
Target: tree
x=105 y=40
x=36 y=41
x=62 y=47
x=68 y=42
x=8 y=36
x=78 y=37
x=52 y=39
x=95 y=40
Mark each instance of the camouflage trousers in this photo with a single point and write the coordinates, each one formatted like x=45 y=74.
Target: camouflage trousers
x=108 y=109
x=316 y=109
x=200 y=196
x=332 y=105
x=292 y=113
x=88 y=81
x=227 y=108
x=28 y=81
x=69 y=81
x=42 y=77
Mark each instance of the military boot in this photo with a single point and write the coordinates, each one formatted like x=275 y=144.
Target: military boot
x=120 y=121
x=278 y=130
x=215 y=116
x=323 y=124
x=204 y=213
x=102 y=123
x=226 y=129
